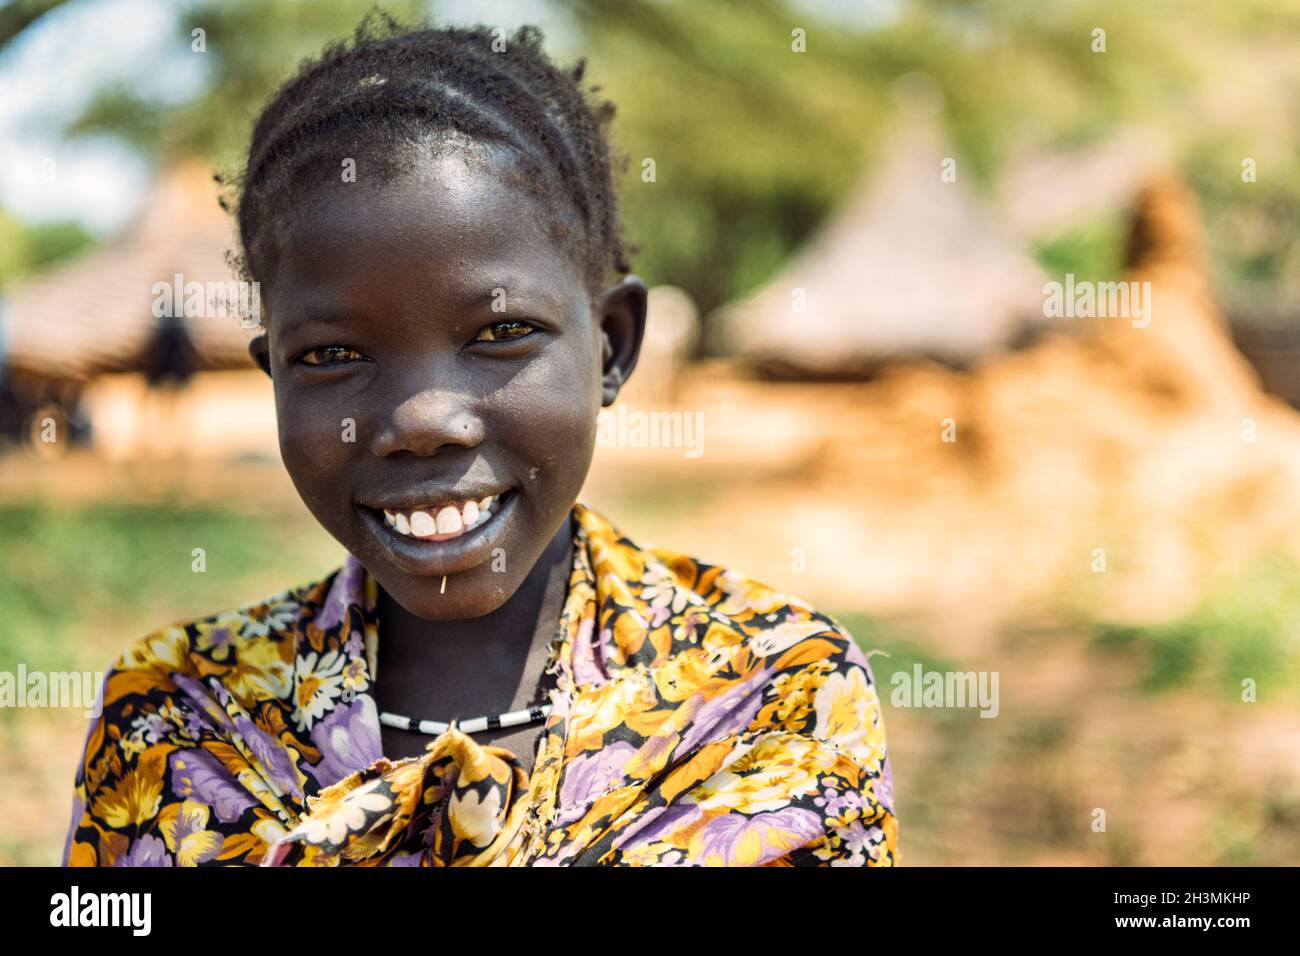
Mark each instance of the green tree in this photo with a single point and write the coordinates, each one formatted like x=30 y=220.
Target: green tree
x=753 y=143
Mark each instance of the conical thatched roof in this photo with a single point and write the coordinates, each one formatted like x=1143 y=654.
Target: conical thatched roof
x=911 y=266
x=1046 y=192
x=95 y=314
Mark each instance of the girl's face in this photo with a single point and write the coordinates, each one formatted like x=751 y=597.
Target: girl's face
x=431 y=347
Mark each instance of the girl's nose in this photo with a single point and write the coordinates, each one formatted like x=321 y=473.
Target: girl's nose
x=426 y=422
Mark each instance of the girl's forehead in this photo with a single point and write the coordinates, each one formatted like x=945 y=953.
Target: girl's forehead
x=478 y=194
x=446 y=229
x=450 y=186
x=448 y=202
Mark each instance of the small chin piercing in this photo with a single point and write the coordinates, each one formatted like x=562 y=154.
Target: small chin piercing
x=444 y=585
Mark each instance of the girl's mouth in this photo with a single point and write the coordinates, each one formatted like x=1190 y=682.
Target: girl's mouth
x=441 y=537
x=442 y=522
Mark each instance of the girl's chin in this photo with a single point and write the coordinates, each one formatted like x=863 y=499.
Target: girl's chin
x=471 y=596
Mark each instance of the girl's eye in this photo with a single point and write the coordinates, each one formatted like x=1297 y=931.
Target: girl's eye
x=505 y=331
x=330 y=355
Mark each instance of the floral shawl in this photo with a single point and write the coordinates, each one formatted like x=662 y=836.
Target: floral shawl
x=699 y=719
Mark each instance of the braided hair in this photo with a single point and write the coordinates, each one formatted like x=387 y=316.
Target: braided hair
x=396 y=90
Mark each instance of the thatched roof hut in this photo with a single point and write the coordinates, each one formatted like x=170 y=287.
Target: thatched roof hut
x=911 y=266
x=97 y=313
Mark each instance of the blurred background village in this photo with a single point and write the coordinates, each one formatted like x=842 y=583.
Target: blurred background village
x=848 y=246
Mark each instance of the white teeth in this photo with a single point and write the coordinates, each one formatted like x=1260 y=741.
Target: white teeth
x=422 y=524
x=448 y=520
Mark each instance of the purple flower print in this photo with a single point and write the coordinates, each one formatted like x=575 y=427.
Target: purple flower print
x=345 y=590
x=78 y=808
x=727 y=713
x=857 y=840
x=204 y=700
x=198 y=774
x=885 y=787
x=155 y=727
x=658 y=823
x=590 y=775
x=190 y=821
x=836 y=803
x=146 y=851
x=777 y=834
x=271 y=754
x=658 y=748
x=222 y=640
x=405 y=859
x=604 y=648
x=438 y=797
x=588 y=659
x=348 y=739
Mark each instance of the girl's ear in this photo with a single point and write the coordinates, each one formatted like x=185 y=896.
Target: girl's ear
x=260 y=353
x=622 y=327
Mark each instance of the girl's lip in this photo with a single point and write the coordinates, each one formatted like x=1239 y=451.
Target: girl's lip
x=434 y=558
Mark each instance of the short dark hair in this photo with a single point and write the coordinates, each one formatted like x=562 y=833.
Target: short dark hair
x=396 y=86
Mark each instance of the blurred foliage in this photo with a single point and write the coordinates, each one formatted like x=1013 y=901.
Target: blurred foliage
x=755 y=144
x=1254 y=227
x=1248 y=627
x=250 y=48
x=1093 y=249
x=28 y=248
x=17 y=15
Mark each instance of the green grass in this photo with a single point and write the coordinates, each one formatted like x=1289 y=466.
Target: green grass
x=67 y=571
x=1248 y=627
x=904 y=650
x=939 y=754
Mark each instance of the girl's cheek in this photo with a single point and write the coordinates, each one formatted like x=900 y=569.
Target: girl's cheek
x=305 y=439
x=559 y=398
x=558 y=429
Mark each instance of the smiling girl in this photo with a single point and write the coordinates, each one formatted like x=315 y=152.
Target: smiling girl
x=496 y=676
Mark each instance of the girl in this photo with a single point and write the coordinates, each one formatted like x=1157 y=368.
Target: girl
x=496 y=676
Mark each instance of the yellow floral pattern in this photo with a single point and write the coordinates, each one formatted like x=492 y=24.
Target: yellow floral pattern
x=699 y=718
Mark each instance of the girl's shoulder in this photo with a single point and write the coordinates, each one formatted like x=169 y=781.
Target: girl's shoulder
x=667 y=587
x=175 y=705
x=256 y=636
x=773 y=697
x=774 y=621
